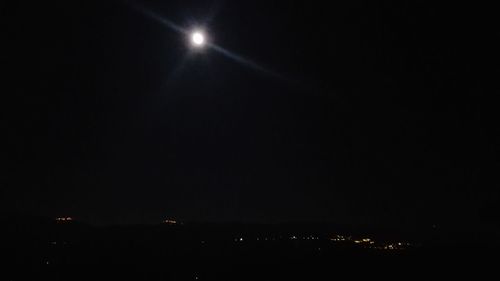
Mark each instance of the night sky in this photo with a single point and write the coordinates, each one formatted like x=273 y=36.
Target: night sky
x=367 y=112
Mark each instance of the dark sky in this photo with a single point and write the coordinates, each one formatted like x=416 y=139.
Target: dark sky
x=382 y=112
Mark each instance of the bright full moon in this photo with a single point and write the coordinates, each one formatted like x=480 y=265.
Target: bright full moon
x=198 y=39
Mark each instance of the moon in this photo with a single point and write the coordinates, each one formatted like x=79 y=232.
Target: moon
x=198 y=38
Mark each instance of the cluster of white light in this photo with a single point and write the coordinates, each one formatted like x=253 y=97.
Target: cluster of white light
x=198 y=38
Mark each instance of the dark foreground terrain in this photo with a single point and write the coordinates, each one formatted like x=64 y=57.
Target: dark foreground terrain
x=37 y=249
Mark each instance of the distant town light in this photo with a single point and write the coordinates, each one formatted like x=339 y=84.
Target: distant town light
x=168 y=221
